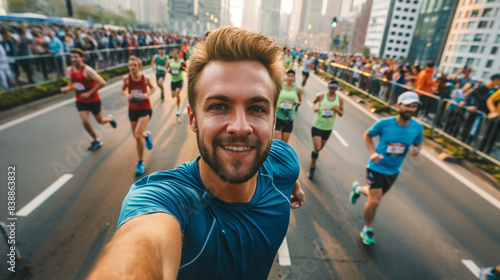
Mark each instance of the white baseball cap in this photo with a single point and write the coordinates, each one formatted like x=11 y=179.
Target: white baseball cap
x=408 y=97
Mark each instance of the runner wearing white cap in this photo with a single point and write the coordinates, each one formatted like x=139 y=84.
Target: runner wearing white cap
x=398 y=135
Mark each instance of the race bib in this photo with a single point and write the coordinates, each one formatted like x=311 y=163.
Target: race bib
x=175 y=71
x=79 y=87
x=136 y=94
x=395 y=149
x=160 y=67
x=327 y=113
x=286 y=105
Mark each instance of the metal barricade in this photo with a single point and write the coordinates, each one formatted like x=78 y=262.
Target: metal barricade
x=43 y=68
x=473 y=130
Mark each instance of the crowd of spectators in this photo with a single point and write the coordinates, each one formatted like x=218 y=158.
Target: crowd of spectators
x=465 y=100
x=27 y=50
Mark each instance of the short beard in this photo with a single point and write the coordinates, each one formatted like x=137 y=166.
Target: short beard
x=404 y=117
x=216 y=164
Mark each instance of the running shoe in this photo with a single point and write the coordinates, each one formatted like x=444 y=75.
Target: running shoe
x=310 y=174
x=354 y=193
x=367 y=237
x=178 y=112
x=112 y=121
x=486 y=273
x=162 y=96
x=96 y=144
x=149 y=143
x=139 y=170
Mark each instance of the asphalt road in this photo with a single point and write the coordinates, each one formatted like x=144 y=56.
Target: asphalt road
x=426 y=226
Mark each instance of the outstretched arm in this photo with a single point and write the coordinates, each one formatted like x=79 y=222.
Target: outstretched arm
x=145 y=247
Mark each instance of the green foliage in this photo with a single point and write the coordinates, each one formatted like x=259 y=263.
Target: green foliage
x=366 y=51
x=99 y=15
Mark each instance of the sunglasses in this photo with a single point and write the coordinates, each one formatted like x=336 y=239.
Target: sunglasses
x=332 y=87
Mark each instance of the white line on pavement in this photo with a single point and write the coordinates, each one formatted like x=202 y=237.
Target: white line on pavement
x=309 y=103
x=472 y=267
x=37 y=201
x=340 y=138
x=185 y=111
x=473 y=187
x=284 y=254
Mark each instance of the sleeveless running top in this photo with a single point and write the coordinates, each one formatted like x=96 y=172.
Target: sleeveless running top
x=161 y=64
x=286 y=99
x=137 y=89
x=82 y=85
x=325 y=117
x=175 y=70
x=288 y=61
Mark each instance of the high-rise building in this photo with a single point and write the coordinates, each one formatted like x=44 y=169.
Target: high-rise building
x=391 y=27
x=474 y=39
x=210 y=14
x=249 y=16
x=269 y=18
x=433 y=26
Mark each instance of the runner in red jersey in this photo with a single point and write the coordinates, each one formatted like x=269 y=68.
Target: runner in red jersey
x=135 y=89
x=86 y=82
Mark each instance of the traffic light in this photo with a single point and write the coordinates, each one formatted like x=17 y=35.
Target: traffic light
x=334 y=22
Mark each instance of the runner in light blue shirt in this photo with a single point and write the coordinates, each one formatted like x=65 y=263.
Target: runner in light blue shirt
x=398 y=135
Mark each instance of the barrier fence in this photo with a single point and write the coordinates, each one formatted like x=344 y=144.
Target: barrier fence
x=45 y=68
x=473 y=130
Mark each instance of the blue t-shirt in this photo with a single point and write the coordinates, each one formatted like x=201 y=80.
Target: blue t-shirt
x=394 y=143
x=222 y=240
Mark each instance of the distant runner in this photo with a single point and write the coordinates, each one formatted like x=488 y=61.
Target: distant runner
x=86 y=82
x=326 y=106
x=159 y=63
x=135 y=89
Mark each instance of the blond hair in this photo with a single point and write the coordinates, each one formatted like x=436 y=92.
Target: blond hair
x=135 y=58
x=232 y=44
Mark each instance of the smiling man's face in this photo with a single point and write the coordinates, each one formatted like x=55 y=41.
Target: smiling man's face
x=234 y=118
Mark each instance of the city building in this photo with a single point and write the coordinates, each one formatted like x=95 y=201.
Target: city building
x=269 y=18
x=391 y=27
x=433 y=25
x=474 y=39
x=250 y=15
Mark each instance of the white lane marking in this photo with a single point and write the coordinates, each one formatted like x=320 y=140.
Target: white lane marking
x=55 y=106
x=472 y=267
x=309 y=103
x=37 y=201
x=464 y=180
x=473 y=187
x=284 y=254
x=340 y=138
x=185 y=111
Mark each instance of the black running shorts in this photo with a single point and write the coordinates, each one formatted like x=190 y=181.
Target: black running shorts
x=175 y=85
x=94 y=107
x=134 y=115
x=380 y=181
x=324 y=134
x=286 y=126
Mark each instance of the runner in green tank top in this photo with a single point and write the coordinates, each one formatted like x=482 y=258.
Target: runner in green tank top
x=326 y=106
x=288 y=59
x=289 y=95
x=159 y=63
x=176 y=66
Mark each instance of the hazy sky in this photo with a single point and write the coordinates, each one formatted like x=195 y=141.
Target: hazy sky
x=237 y=9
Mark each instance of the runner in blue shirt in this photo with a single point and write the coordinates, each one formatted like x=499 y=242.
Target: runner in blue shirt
x=224 y=215
x=398 y=135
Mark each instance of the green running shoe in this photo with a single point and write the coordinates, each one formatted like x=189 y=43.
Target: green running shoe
x=367 y=237
x=354 y=194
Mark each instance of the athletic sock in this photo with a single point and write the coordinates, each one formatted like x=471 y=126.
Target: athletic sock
x=141 y=161
x=365 y=228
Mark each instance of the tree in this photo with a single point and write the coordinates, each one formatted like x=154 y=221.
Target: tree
x=366 y=51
